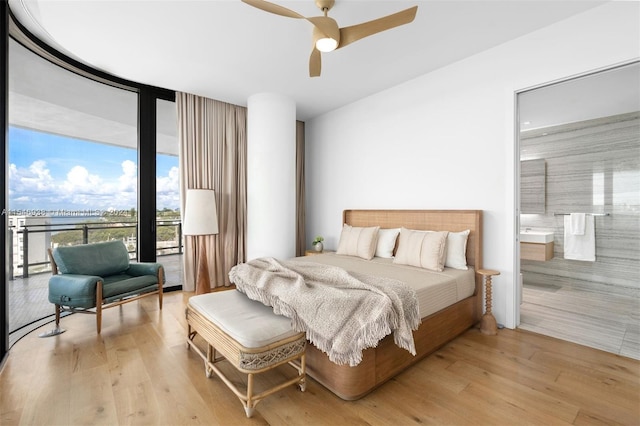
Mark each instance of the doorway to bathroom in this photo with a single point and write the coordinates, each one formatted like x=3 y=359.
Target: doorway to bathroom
x=579 y=144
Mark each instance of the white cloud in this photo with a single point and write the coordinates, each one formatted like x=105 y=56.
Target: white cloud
x=128 y=179
x=170 y=183
x=35 y=187
x=79 y=180
x=35 y=179
x=168 y=190
x=41 y=176
x=30 y=187
x=82 y=189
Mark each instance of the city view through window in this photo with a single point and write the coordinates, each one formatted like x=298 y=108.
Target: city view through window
x=64 y=190
x=68 y=191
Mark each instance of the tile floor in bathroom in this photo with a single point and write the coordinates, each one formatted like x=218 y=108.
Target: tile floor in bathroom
x=610 y=322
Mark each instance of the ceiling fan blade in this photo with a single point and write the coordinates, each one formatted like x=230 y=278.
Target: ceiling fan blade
x=274 y=8
x=326 y=25
x=315 y=63
x=356 y=32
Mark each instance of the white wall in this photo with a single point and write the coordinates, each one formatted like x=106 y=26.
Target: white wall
x=446 y=139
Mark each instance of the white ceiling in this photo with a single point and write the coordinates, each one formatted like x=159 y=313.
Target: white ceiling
x=611 y=92
x=228 y=50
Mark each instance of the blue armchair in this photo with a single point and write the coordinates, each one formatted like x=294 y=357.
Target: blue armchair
x=91 y=277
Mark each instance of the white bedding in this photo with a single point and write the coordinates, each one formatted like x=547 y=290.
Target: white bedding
x=434 y=290
x=342 y=312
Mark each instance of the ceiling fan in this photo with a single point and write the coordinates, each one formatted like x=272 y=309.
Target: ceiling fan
x=327 y=36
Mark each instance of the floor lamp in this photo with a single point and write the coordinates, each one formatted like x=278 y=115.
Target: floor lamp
x=200 y=219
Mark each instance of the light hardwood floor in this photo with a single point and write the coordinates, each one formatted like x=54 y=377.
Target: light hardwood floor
x=139 y=371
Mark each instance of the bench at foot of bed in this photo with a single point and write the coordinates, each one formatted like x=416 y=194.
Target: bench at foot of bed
x=248 y=335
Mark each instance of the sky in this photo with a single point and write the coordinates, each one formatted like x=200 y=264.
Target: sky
x=57 y=173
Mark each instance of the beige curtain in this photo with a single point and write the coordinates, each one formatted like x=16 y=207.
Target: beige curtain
x=301 y=236
x=213 y=155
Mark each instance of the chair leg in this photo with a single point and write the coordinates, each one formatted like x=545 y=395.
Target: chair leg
x=160 y=283
x=99 y=306
x=56 y=330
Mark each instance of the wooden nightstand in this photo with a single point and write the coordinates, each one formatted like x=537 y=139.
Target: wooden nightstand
x=313 y=252
x=488 y=323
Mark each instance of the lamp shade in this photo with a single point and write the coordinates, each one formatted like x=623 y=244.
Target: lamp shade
x=200 y=215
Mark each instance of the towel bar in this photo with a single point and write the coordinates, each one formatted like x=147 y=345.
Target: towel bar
x=592 y=214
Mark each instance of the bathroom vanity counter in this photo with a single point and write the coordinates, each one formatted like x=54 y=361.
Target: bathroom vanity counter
x=536 y=245
x=536 y=251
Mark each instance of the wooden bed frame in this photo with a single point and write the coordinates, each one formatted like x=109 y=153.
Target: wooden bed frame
x=386 y=360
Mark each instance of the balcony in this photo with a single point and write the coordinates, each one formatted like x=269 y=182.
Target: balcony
x=29 y=306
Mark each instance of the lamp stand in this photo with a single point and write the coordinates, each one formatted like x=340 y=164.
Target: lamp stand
x=203 y=283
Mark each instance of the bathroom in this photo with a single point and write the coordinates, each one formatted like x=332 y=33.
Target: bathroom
x=580 y=153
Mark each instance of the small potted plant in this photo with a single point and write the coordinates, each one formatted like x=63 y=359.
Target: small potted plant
x=317 y=243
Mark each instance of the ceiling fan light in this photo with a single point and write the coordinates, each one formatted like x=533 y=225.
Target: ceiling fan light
x=326 y=44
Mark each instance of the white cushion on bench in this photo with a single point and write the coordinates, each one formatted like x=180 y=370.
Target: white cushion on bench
x=246 y=321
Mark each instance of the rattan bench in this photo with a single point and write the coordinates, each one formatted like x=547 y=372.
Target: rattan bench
x=249 y=336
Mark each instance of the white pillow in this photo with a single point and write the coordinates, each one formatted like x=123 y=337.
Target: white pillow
x=355 y=241
x=422 y=249
x=457 y=250
x=386 y=242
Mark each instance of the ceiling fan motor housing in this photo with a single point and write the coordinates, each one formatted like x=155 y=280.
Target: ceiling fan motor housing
x=325 y=26
x=325 y=4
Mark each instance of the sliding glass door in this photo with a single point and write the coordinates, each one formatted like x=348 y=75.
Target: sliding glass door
x=73 y=165
x=169 y=226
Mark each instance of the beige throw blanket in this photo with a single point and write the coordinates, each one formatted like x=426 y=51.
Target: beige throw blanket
x=342 y=313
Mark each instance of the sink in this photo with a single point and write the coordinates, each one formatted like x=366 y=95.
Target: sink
x=539 y=237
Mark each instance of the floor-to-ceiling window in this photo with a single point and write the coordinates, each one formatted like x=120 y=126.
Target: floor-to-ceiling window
x=72 y=172
x=75 y=171
x=169 y=225
x=4 y=123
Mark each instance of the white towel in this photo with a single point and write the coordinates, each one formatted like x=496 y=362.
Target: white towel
x=577 y=223
x=580 y=247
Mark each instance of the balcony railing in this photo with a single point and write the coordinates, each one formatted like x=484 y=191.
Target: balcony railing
x=20 y=241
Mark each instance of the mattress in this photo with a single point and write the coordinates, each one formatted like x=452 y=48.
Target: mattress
x=434 y=290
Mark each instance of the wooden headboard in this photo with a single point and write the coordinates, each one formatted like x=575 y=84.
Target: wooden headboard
x=434 y=220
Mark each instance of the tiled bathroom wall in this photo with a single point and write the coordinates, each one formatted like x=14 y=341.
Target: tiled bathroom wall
x=592 y=167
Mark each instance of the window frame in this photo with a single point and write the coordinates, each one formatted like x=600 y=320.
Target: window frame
x=147 y=96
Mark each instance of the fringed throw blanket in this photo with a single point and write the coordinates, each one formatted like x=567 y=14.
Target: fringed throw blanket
x=342 y=313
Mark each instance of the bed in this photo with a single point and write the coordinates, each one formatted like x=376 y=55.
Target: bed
x=441 y=322
x=383 y=362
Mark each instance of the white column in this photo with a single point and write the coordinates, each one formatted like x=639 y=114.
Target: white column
x=271 y=174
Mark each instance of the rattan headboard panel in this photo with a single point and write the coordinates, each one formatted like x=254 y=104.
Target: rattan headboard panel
x=434 y=220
